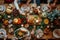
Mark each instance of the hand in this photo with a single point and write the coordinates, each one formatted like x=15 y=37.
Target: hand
x=28 y=2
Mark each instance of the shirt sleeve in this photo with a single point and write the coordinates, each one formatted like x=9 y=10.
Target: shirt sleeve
x=16 y=4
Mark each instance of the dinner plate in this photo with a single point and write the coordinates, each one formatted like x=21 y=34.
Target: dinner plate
x=55 y=34
x=3 y=31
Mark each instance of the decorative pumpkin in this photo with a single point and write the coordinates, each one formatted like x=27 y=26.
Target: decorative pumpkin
x=46 y=21
x=5 y=22
x=17 y=21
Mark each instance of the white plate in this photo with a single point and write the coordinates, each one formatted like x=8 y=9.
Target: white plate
x=24 y=29
x=4 y=33
x=55 y=35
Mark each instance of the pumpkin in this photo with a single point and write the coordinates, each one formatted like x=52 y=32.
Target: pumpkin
x=17 y=21
x=5 y=22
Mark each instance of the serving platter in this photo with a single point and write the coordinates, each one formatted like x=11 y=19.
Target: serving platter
x=22 y=29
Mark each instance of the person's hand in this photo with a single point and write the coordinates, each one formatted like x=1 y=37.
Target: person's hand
x=28 y=2
x=49 y=8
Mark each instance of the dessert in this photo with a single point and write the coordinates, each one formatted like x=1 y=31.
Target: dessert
x=21 y=33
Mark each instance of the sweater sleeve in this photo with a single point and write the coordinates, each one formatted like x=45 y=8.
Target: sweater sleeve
x=16 y=4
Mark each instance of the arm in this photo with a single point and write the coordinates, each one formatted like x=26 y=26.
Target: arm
x=28 y=1
x=49 y=1
x=16 y=4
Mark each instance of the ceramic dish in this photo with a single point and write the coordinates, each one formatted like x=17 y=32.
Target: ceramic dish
x=2 y=8
x=56 y=33
x=2 y=33
x=25 y=9
x=39 y=33
x=21 y=33
x=34 y=19
x=44 y=7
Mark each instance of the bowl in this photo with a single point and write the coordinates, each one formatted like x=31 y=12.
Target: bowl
x=2 y=8
x=56 y=33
